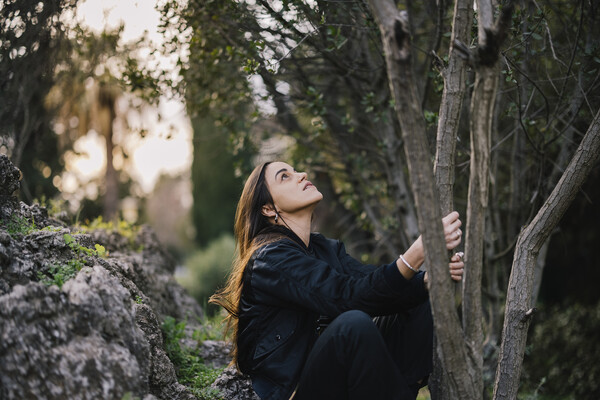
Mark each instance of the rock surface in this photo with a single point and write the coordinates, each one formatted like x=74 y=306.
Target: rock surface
x=232 y=385
x=96 y=332
x=97 y=336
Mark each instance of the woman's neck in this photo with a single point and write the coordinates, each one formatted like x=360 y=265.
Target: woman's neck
x=299 y=223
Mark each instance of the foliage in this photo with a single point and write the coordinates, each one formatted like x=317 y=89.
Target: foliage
x=216 y=187
x=99 y=73
x=189 y=366
x=79 y=250
x=564 y=352
x=211 y=327
x=219 y=99
x=32 y=35
x=320 y=80
x=321 y=77
x=207 y=269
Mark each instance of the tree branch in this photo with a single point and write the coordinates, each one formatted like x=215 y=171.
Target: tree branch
x=530 y=240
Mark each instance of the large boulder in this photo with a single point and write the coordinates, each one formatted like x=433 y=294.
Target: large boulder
x=84 y=322
x=96 y=332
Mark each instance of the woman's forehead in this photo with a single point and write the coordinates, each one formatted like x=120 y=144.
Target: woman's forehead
x=275 y=167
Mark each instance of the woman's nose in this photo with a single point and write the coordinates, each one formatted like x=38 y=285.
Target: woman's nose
x=302 y=176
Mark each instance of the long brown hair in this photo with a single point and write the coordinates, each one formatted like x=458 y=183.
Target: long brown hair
x=249 y=221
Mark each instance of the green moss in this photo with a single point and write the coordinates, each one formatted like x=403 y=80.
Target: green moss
x=123 y=228
x=58 y=274
x=18 y=225
x=189 y=366
x=98 y=251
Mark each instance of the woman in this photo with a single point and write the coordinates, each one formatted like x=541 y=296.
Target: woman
x=287 y=284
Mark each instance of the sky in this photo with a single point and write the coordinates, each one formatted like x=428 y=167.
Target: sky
x=167 y=148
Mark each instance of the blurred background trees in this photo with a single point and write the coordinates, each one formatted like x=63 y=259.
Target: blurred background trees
x=306 y=82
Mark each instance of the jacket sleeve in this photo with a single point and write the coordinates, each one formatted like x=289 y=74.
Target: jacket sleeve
x=284 y=275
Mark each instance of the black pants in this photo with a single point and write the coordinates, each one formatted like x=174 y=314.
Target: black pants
x=365 y=359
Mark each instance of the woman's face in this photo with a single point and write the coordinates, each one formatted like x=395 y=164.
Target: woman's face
x=291 y=191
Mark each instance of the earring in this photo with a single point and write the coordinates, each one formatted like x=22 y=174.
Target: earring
x=276 y=217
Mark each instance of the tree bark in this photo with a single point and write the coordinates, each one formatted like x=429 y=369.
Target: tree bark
x=518 y=312
x=490 y=39
x=482 y=109
x=451 y=105
x=396 y=43
x=454 y=75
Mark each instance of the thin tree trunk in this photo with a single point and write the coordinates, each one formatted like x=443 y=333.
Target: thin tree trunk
x=111 y=196
x=518 y=311
x=490 y=38
x=396 y=43
x=482 y=110
x=107 y=99
x=454 y=75
x=451 y=105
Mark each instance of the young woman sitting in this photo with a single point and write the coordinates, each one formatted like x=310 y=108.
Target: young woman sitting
x=309 y=321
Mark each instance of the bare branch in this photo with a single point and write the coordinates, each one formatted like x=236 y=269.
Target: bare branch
x=528 y=245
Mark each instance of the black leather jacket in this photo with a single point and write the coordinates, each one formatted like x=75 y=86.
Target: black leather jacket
x=287 y=286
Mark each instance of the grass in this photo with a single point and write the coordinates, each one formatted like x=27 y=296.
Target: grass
x=189 y=366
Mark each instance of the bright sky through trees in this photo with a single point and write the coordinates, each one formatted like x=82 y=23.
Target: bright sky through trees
x=167 y=146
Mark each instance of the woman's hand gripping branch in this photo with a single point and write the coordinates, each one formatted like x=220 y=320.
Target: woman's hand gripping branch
x=453 y=236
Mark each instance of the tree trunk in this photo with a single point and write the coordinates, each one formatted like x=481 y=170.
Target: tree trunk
x=482 y=110
x=396 y=43
x=483 y=100
x=451 y=105
x=454 y=75
x=107 y=99
x=518 y=312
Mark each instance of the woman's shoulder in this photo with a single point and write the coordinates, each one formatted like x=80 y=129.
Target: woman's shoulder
x=319 y=240
x=278 y=247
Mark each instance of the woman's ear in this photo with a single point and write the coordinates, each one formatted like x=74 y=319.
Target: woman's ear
x=268 y=211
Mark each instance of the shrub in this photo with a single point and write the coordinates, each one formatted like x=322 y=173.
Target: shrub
x=564 y=353
x=207 y=269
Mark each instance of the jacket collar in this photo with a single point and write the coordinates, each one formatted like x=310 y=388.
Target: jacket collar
x=283 y=231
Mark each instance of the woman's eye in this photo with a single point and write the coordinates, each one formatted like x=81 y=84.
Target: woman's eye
x=283 y=176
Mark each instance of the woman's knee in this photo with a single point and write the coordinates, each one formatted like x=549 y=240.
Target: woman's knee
x=353 y=322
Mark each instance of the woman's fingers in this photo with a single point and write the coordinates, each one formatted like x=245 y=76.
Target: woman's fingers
x=452 y=230
x=457 y=266
x=453 y=216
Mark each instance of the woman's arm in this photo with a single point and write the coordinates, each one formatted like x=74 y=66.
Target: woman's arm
x=285 y=276
x=415 y=255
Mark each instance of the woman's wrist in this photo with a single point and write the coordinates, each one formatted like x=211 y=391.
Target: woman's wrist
x=415 y=254
x=411 y=260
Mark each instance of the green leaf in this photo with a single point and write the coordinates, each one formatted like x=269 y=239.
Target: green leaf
x=68 y=239
x=100 y=250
